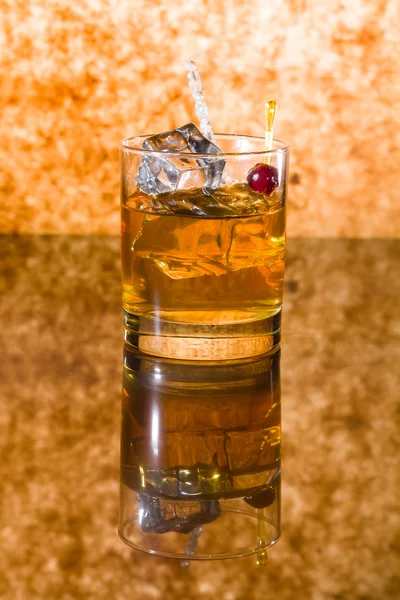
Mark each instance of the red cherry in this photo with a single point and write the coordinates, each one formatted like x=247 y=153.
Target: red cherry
x=263 y=178
x=263 y=499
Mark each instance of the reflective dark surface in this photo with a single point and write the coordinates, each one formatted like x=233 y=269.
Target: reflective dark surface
x=60 y=385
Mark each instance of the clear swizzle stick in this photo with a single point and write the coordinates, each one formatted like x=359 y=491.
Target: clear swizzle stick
x=200 y=104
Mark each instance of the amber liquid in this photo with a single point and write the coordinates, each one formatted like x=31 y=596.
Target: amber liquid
x=222 y=268
x=191 y=431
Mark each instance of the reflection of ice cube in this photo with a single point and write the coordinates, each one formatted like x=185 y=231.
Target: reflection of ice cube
x=253 y=449
x=160 y=515
x=157 y=174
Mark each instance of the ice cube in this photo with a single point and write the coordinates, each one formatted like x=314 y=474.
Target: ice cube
x=185 y=247
x=252 y=242
x=157 y=175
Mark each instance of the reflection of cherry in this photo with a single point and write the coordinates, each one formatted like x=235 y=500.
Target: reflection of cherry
x=263 y=499
x=263 y=178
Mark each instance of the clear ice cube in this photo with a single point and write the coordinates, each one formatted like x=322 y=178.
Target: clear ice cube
x=185 y=247
x=202 y=249
x=157 y=175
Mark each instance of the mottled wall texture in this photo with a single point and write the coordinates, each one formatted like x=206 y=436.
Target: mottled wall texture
x=76 y=77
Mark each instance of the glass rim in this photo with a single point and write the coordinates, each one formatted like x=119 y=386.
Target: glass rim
x=283 y=147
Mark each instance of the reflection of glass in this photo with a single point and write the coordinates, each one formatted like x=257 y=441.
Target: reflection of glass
x=200 y=456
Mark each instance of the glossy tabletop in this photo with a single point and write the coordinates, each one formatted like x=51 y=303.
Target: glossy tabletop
x=60 y=390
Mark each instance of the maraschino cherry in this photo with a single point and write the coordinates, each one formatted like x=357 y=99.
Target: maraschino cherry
x=263 y=178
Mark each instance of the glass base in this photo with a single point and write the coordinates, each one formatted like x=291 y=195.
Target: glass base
x=239 y=530
x=203 y=342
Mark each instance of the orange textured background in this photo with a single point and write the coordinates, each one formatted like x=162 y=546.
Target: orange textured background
x=76 y=77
